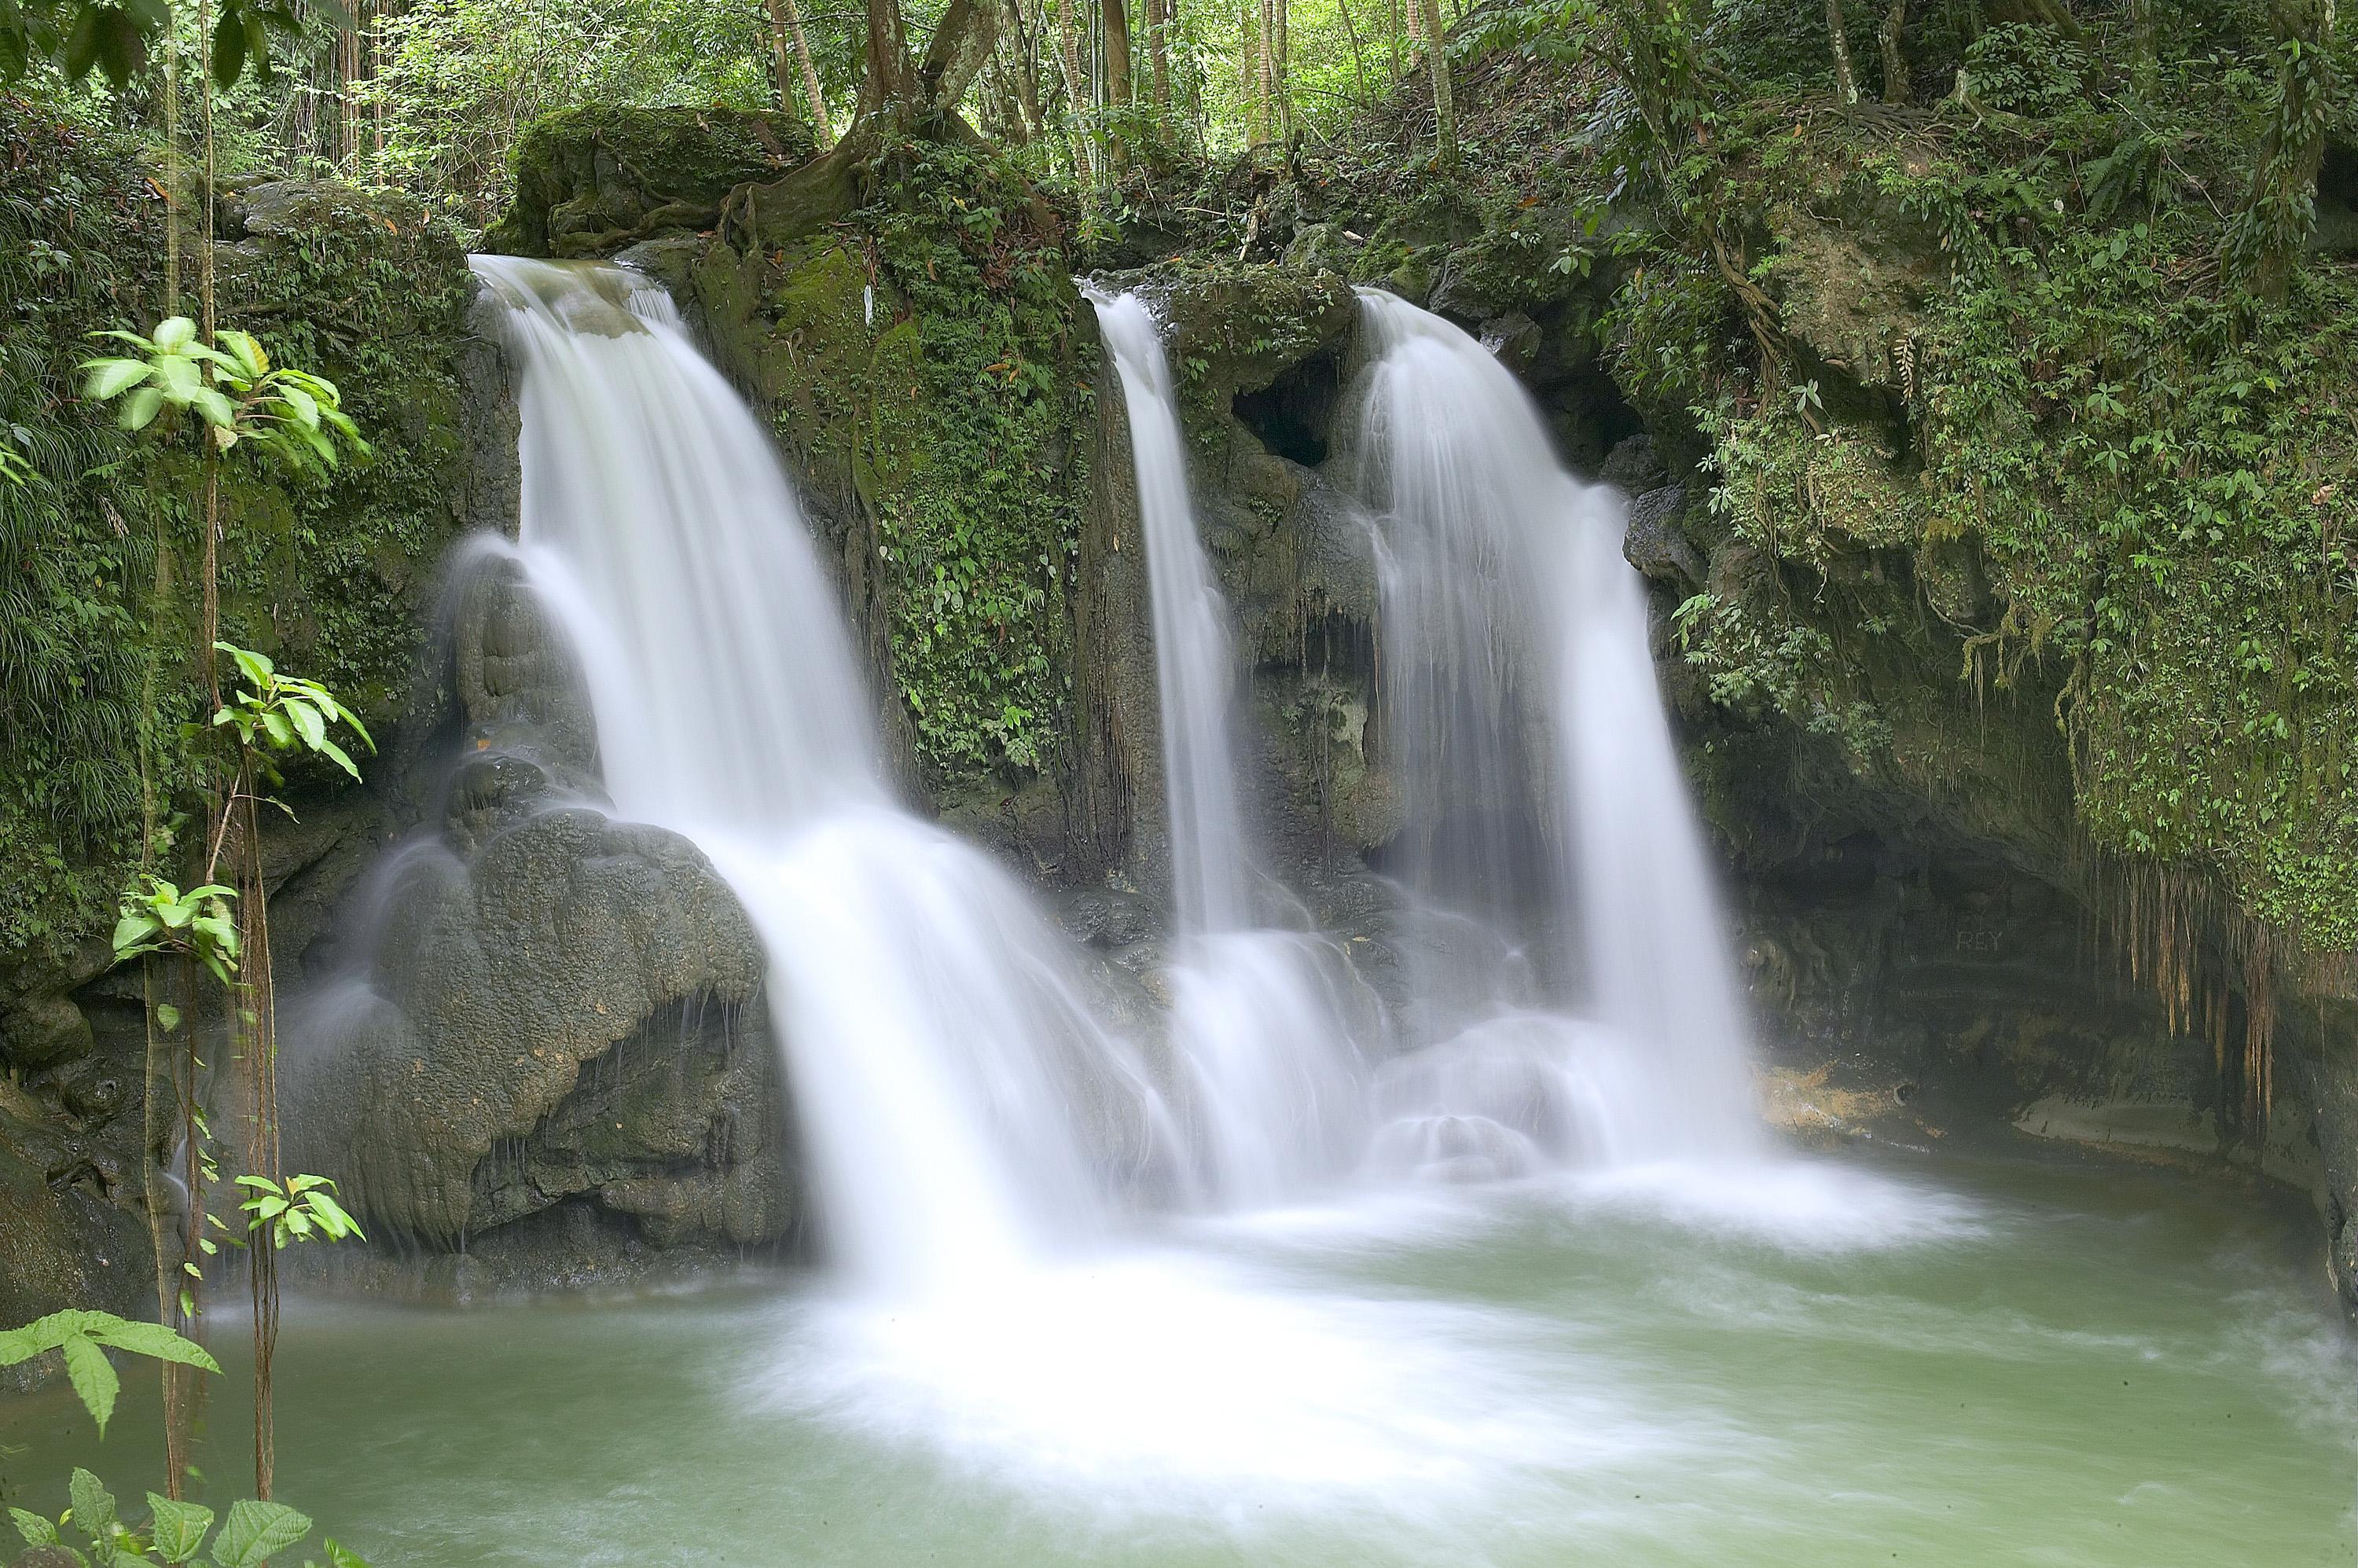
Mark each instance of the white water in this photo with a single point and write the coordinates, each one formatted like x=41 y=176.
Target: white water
x=961 y=1106
x=1279 y=1083
x=952 y=1085
x=1543 y=789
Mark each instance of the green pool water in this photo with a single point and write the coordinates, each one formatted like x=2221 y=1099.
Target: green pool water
x=1834 y=1360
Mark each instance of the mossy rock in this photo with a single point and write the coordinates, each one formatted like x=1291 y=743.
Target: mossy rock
x=592 y=180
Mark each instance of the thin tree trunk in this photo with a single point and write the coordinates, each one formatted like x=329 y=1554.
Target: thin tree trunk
x=1116 y=13
x=1282 y=53
x=822 y=128
x=1358 y=63
x=1271 y=115
x=1845 y=81
x=1392 y=35
x=1248 y=69
x=1891 y=38
x=1025 y=69
x=2145 y=58
x=1445 y=107
x=1076 y=98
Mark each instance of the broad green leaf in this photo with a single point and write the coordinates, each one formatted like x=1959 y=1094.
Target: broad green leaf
x=179 y=1528
x=336 y=754
x=304 y=406
x=132 y=930
x=274 y=725
x=217 y=412
x=255 y=1530
x=167 y=1017
x=342 y=1556
x=92 y=1377
x=174 y=333
x=177 y=376
x=243 y=348
x=139 y=410
x=94 y=1505
x=39 y=1531
x=108 y=377
x=307 y=720
x=156 y=1340
x=256 y=668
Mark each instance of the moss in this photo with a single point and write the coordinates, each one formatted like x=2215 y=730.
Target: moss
x=592 y=180
x=930 y=366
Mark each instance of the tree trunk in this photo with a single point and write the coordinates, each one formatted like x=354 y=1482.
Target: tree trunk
x=1845 y=81
x=1282 y=51
x=1026 y=69
x=1248 y=73
x=1077 y=96
x=962 y=45
x=886 y=79
x=2145 y=58
x=1358 y=61
x=1116 y=14
x=1272 y=116
x=1891 y=38
x=786 y=24
x=1158 y=56
x=2265 y=242
x=1445 y=108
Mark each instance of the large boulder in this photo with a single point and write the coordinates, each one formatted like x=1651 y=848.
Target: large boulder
x=592 y=180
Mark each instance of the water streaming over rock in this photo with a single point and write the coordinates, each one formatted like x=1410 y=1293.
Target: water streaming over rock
x=960 y=1103
x=1541 y=784
x=1253 y=1010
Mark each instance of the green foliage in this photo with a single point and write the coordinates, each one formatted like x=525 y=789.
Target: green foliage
x=250 y=1535
x=157 y=917
x=289 y=413
x=304 y=1208
x=2076 y=402
x=83 y=1338
x=460 y=78
x=326 y=567
x=120 y=36
x=275 y=714
x=957 y=423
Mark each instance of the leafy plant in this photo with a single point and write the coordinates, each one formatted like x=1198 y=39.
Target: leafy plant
x=290 y=415
x=83 y=1337
x=157 y=917
x=276 y=714
x=250 y=1535
x=304 y=1209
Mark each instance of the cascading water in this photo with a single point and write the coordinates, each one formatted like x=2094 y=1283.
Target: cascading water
x=952 y=1087
x=1253 y=1012
x=1541 y=786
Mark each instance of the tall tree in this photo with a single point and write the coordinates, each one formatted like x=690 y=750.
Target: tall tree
x=1114 y=17
x=1846 y=80
x=1158 y=56
x=1445 y=107
x=1890 y=37
x=786 y=23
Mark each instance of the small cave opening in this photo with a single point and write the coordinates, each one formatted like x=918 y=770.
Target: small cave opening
x=1293 y=416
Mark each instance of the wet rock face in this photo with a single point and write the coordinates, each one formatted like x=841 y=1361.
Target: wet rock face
x=560 y=1011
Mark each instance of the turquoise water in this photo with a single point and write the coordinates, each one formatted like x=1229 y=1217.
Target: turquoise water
x=1839 y=1360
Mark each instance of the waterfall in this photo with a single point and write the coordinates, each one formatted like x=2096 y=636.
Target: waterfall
x=1253 y=1013
x=953 y=1091
x=1541 y=786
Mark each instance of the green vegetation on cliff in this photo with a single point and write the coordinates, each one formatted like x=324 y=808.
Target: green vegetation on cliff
x=101 y=537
